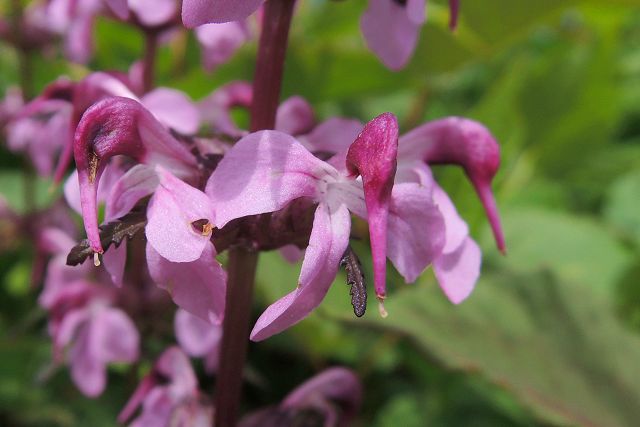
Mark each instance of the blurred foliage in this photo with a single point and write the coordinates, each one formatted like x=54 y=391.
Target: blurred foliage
x=550 y=336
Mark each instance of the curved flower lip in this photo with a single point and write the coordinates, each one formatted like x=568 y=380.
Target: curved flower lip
x=373 y=156
x=200 y=12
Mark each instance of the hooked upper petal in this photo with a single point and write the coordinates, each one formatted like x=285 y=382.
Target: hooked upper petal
x=262 y=173
x=328 y=241
x=390 y=32
x=463 y=142
x=373 y=156
x=199 y=12
x=199 y=286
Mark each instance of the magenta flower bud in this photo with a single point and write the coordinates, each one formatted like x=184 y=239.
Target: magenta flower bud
x=120 y=126
x=462 y=142
x=373 y=156
x=454 y=9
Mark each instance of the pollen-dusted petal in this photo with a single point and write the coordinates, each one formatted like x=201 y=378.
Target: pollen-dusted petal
x=416 y=230
x=174 y=109
x=328 y=241
x=199 y=12
x=172 y=210
x=373 y=156
x=263 y=172
x=458 y=271
x=390 y=32
x=198 y=287
x=462 y=142
x=295 y=116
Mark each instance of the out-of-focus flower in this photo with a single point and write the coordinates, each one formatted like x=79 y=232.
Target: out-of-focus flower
x=200 y=12
x=220 y=41
x=332 y=398
x=149 y=13
x=73 y=19
x=199 y=338
x=391 y=28
x=169 y=396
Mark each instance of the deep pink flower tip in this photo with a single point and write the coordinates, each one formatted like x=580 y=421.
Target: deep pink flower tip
x=373 y=155
x=454 y=9
x=107 y=128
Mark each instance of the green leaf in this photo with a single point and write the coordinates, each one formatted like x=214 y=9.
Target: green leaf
x=623 y=207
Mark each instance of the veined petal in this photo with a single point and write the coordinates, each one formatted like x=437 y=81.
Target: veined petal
x=458 y=271
x=199 y=12
x=120 y=126
x=263 y=172
x=390 y=32
x=328 y=241
x=416 y=230
x=295 y=116
x=172 y=212
x=463 y=142
x=373 y=156
x=198 y=287
x=173 y=108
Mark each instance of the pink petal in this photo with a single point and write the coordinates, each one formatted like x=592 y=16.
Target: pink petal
x=216 y=108
x=196 y=337
x=137 y=183
x=175 y=206
x=198 y=287
x=154 y=13
x=119 y=7
x=175 y=365
x=220 y=41
x=328 y=241
x=373 y=156
x=295 y=116
x=332 y=136
x=458 y=271
x=457 y=230
x=114 y=261
x=291 y=253
x=416 y=230
x=390 y=32
x=115 y=335
x=462 y=142
x=263 y=172
x=79 y=39
x=174 y=109
x=199 y=12
x=88 y=371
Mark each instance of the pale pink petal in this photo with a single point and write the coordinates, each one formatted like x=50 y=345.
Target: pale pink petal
x=79 y=39
x=458 y=271
x=328 y=241
x=295 y=116
x=416 y=230
x=373 y=156
x=88 y=370
x=174 y=109
x=154 y=13
x=172 y=210
x=263 y=172
x=220 y=41
x=114 y=261
x=457 y=229
x=199 y=12
x=198 y=287
x=390 y=32
x=291 y=253
x=115 y=336
x=137 y=183
x=196 y=337
x=119 y=7
x=334 y=135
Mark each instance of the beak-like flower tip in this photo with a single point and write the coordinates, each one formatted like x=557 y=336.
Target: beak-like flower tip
x=107 y=128
x=373 y=155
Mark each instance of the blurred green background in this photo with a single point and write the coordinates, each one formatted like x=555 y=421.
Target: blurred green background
x=550 y=336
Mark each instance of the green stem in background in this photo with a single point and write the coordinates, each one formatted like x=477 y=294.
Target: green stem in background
x=149 y=60
x=243 y=261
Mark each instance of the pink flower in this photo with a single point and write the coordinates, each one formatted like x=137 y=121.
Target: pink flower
x=198 y=338
x=169 y=395
x=199 y=12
